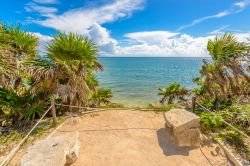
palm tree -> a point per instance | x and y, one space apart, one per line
76 55
225 76
92 82
70 61
226 69
101 96
172 92
15 46
227 52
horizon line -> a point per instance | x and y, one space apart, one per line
154 56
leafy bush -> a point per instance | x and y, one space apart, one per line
9 103
236 140
19 107
173 92
212 103
101 95
34 111
210 122
241 115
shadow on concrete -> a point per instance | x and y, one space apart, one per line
168 146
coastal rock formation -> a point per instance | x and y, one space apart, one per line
184 127
54 151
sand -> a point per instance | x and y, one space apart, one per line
134 138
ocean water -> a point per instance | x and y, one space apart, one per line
135 81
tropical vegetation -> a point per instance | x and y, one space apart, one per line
174 92
29 82
66 74
223 87
101 95
226 75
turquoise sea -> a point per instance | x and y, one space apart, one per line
135 81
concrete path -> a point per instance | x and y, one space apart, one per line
134 138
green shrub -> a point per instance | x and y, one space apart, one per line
212 102
14 106
11 137
210 122
236 140
101 96
34 111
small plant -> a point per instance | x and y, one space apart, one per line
101 96
210 122
34 111
173 92
12 136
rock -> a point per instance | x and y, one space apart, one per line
190 137
184 127
54 151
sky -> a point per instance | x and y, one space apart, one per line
151 28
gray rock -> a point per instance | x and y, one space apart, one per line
184 127
54 151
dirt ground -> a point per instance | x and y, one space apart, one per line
134 138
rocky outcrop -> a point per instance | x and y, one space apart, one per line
54 151
184 127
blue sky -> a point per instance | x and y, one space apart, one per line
134 27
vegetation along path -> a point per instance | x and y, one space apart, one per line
127 137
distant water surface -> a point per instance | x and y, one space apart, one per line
135 81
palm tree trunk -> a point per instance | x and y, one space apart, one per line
70 104
233 85
217 103
53 112
170 99
99 103
238 71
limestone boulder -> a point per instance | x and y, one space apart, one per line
190 137
54 151
184 127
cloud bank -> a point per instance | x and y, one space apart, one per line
88 21
81 19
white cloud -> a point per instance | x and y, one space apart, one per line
150 43
81 19
152 37
172 44
44 40
88 21
242 4
46 1
199 20
219 30
236 8
164 43
102 37
42 10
